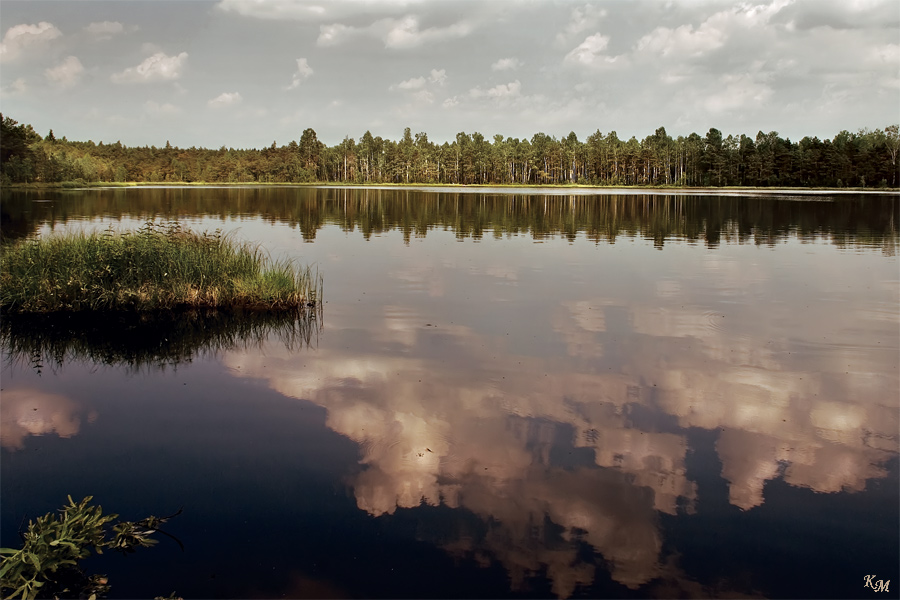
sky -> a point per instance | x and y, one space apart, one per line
247 73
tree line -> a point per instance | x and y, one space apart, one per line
866 159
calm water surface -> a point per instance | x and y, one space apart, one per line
506 394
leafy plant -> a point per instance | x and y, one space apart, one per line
47 563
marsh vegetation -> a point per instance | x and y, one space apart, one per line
159 267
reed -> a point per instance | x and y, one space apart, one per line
158 267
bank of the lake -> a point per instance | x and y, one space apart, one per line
672 189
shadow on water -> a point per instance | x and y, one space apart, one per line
159 340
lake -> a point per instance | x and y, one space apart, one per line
507 393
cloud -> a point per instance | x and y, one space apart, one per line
104 30
16 87
410 84
19 37
583 18
749 15
506 64
839 14
66 74
334 34
711 34
273 10
165 109
312 11
590 52
885 54
159 67
424 97
304 71
682 41
504 91
225 99
436 76
508 90
405 33
396 34
738 92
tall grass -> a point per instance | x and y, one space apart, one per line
156 268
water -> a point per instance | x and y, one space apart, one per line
508 394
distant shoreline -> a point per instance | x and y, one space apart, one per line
582 188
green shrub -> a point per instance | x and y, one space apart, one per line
47 564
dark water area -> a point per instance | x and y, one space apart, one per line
506 394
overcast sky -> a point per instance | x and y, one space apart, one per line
244 73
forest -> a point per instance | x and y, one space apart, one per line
865 159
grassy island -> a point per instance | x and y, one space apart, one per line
158 267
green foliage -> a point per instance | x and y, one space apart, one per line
47 564
157 267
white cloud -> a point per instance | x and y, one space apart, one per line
273 10
506 64
583 18
590 52
16 87
837 70
19 37
304 71
414 83
887 54
436 76
504 91
104 30
753 15
682 41
712 34
334 34
424 97
225 99
501 91
319 10
396 34
738 92
159 67
165 109
65 74
405 33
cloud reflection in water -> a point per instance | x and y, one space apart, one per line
582 437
